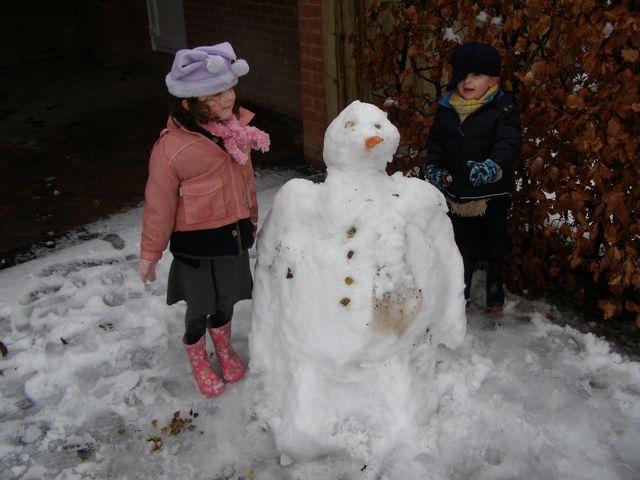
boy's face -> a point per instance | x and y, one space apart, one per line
475 85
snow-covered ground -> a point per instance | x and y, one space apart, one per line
96 385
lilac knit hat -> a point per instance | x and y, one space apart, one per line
205 71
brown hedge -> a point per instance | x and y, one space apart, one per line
575 69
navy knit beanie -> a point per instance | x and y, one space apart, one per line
473 57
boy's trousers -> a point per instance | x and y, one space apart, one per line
484 236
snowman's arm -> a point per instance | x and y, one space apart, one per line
424 193
450 282
436 226
452 312
290 206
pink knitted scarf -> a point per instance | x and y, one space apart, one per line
238 139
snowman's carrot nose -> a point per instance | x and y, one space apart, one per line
372 141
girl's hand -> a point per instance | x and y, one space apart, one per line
148 270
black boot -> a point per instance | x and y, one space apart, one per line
469 266
495 292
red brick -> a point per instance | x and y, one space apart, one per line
313 65
309 10
317 116
317 79
313 128
313 90
310 25
310 38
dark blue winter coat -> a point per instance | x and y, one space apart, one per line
493 131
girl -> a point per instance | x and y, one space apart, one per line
200 199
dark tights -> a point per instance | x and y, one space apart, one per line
196 325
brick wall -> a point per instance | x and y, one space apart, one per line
265 34
36 29
314 116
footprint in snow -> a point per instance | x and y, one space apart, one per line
64 269
115 240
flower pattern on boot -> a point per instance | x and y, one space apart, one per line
208 381
230 363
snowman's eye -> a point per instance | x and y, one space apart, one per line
377 125
350 124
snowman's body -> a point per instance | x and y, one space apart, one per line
351 298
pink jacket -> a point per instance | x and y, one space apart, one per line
193 185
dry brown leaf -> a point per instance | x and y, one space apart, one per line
614 127
608 308
575 102
630 55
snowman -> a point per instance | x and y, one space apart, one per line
358 280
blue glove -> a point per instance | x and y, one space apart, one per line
481 173
438 176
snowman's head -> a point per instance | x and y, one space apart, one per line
360 138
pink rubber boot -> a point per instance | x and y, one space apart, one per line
208 381
230 363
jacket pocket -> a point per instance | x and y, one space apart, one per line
203 199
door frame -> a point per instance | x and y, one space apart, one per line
342 22
158 43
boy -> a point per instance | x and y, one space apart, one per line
473 145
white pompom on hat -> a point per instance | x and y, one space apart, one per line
205 71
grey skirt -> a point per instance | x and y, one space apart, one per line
214 285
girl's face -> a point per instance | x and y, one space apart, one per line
219 106
475 85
